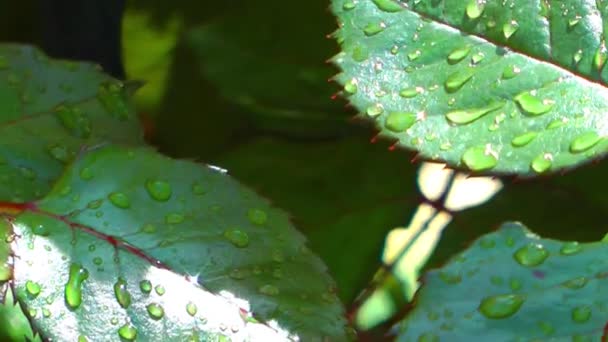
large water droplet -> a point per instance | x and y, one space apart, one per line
475 8
542 163
501 306
74 120
530 255
465 116
509 29
524 139
191 309
372 29
237 237
532 105
456 80
145 286
73 288
388 5
159 190
127 332
400 121
479 158
584 142
510 72
351 86
119 200
122 294
459 54
155 311
32 288
581 314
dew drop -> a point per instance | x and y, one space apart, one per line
578 55
97 261
155 311
127 332
531 255
584 142
159 289
475 8
86 173
599 59
257 216
375 110
237 237
456 80
198 189
351 86
159 190
479 158
390 6
74 120
119 200
399 121
542 163
450 278
73 288
510 72
32 288
465 116
113 99
581 314
576 283
524 139
121 293
372 29
60 152
411 92
174 218
458 54
145 286
348 5
509 29
532 105
191 309
501 306
570 248
412 56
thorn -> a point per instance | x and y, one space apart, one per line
334 96
393 147
374 139
415 158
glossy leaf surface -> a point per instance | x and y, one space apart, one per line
130 244
511 284
49 111
489 86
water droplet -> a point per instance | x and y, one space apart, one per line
532 105
458 54
121 293
237 237
479 158
86 173
269 290
114 100
127 332
375 110
82 338
191 309
450 278
174 218
257 216
388 5
119 200
348 5
372 29
584 142
74 120
33 288
456 80
578 55
509 29
501 306
399 121
412 56
524 139
576 283
155 311
599 59
145 286
515 284
97 261
510 72
477 58
570 248
542 163
73 288
428 337
465 116
198 189
159 289
351 86
411 92
581 314
530 255
475 8
60 152
159 190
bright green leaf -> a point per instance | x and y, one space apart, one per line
521 82
151 248
510 285
49 111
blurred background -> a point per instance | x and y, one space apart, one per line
243 85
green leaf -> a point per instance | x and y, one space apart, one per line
131 243
523 287
49 110
506 87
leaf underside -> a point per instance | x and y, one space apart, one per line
49 111
512 87
131 243
524 288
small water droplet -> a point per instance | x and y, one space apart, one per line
74 120
257 216
237 237
576 283
114 100
465 116
191 309
510 72
475 8
479 158
533 105
119 200
351 86
412 56
60 152
524 139
269 290
145 286
174 218
159 289
155 311
400 121
584 142
121 293
542 163
86 173
458 54
127 332
570 248
450 278
375 110
581 314
372 29
390 6
33 288
97 261
530 255
411 92
73 288
477 58
599 59
198 189
501 306
159 190
509 29
348 5
578 55
456 80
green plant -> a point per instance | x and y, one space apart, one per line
104 238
